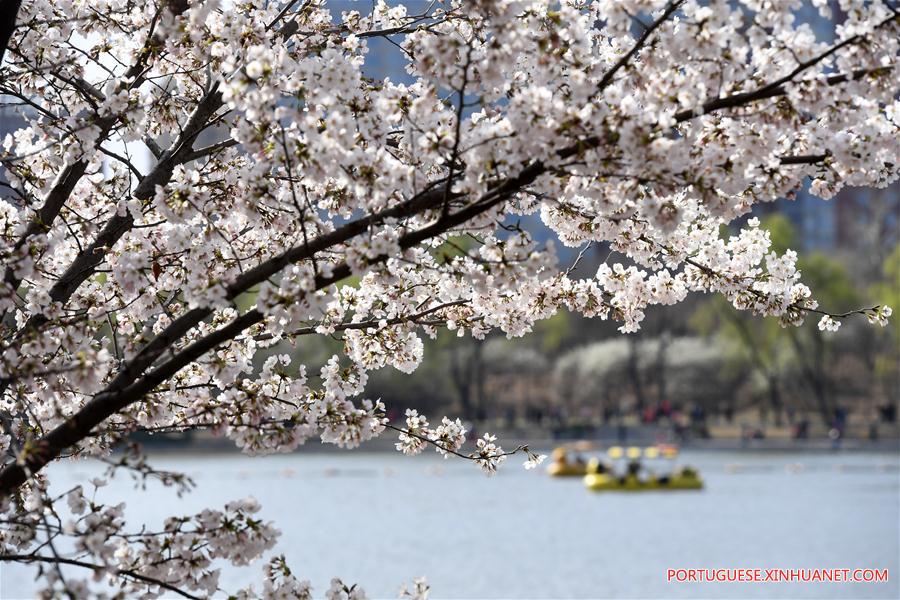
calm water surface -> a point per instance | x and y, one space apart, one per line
382 519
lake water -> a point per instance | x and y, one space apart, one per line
382 519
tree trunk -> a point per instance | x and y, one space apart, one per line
775 398
661 366
462 381
635 375
814 374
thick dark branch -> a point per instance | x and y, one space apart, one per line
428 199
9 9
110 401
43 218
86 262
807 159
30 558
180 152
65 182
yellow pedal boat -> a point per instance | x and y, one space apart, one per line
602 482
567 469
563 467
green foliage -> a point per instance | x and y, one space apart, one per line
455 246
247 300
803 361
781 232
829 281
552 333
887 292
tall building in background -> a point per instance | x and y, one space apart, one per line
10 121
855 219
814 220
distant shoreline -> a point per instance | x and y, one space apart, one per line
385 444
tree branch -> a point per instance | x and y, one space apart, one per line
776 88
9 10
28 558
626 58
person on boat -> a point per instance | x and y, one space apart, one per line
559 456
632 471
597 466
688 473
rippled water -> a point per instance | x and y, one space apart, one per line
382 519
